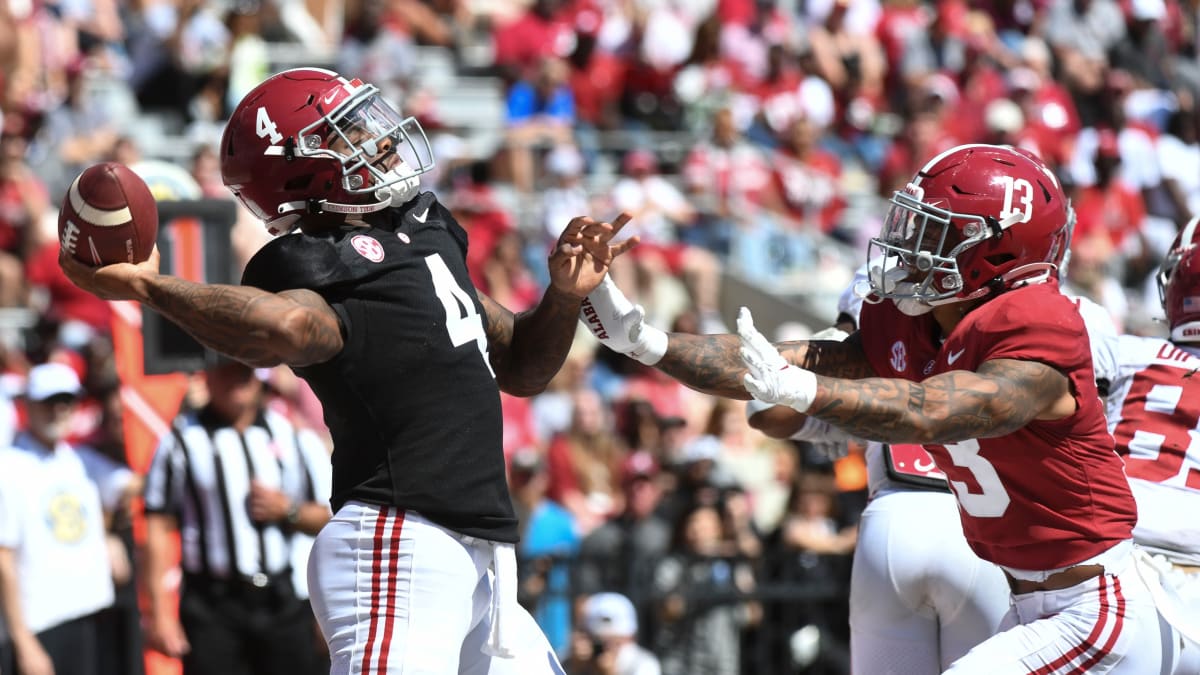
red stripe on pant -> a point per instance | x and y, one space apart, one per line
1089 642
390 620
376 578
1116 633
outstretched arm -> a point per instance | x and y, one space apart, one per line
251 325
1001 397
713 363
529 348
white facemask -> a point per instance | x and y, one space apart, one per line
912 307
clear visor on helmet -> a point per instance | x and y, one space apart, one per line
914 242
371 136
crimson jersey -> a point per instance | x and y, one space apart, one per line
1050 494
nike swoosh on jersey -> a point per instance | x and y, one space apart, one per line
953 356
421 218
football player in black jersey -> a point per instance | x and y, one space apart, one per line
365 294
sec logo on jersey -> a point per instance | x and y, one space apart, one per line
367 247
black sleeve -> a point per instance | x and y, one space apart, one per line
293 261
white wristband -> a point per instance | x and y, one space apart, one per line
650 345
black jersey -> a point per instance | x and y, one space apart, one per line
411 400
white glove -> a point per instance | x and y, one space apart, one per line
620 325
771 378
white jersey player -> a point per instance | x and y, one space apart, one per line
1153 409
919 597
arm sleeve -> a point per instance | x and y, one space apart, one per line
162 480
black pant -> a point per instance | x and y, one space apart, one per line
72 646
235 629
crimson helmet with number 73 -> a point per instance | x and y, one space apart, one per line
308 141
975 220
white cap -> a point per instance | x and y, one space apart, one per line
607 615
1148 10
51 379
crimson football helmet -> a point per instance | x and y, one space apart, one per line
308 141
1187 239
976 219
1181 299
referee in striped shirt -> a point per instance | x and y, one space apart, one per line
238 482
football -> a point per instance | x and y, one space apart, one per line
108 216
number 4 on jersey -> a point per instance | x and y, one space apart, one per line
463 323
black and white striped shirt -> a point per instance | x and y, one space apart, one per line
201 474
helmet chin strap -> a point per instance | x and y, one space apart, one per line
353 209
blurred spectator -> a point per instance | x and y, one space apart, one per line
1049 110
698 587
617 554
1178 152
607 645
1144 53
1108 208
597 78
523 44
541 111
784 94
1082 32
565 197
206 170
507 279
845 52
479 211
662 217
808 182
810 524
583 463
248 62
708 79
55 570
23 204
727 179
549 541
76 135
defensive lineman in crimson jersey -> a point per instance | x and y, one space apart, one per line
970 350
1047 495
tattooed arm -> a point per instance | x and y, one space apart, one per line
528 348
263 329
1001 397
251 325
713 364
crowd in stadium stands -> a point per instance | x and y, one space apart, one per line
798 119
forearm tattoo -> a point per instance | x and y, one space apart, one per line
713 363
528 349
247 323
1003 396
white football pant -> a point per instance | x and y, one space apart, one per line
1107 624
919 597
396 594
